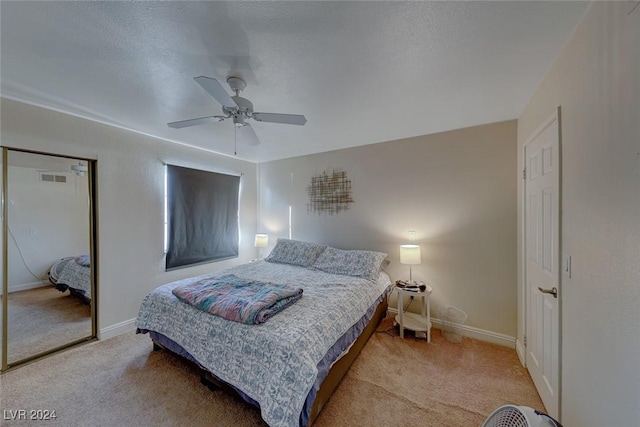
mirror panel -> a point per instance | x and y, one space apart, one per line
48 254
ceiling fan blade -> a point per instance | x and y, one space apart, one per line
193 122
215 89
247 134
288 119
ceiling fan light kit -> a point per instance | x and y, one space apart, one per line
238 120
237 108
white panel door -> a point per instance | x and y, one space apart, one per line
542 231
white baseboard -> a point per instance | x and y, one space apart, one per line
467 331
27 286
521 353
117 329
476 333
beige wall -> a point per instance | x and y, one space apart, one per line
596 81
455 189
130 180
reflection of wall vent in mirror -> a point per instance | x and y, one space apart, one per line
49 177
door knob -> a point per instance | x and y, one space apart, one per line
553 291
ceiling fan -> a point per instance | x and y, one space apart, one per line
80 169
237 108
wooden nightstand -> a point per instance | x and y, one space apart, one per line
412 321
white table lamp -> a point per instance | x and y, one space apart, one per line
410 255
262 241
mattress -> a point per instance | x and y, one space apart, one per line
275 364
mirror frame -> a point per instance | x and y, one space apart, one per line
93 253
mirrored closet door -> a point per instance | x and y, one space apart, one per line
49 289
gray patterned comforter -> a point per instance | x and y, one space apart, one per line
274 363
76 276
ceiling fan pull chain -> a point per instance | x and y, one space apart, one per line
235 141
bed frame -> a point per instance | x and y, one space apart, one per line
330 383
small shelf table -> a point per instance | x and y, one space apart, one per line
412 321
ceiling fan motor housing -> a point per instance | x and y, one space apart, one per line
244 105
244 110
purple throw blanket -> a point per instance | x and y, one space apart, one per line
241 300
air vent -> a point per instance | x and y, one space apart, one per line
49 177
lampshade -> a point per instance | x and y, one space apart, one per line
262 240
410 254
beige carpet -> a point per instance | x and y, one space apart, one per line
393 382
43 318
408 382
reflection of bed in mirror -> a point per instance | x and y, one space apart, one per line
73 274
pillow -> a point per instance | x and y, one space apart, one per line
83 260
365 264
295 252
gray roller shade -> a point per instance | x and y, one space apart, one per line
202 216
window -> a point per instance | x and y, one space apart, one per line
201 216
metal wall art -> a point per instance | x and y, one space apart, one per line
329 193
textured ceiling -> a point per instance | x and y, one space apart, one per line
361 72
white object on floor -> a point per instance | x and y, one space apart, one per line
519 416
452 319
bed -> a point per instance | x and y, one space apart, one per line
73 274
289 365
